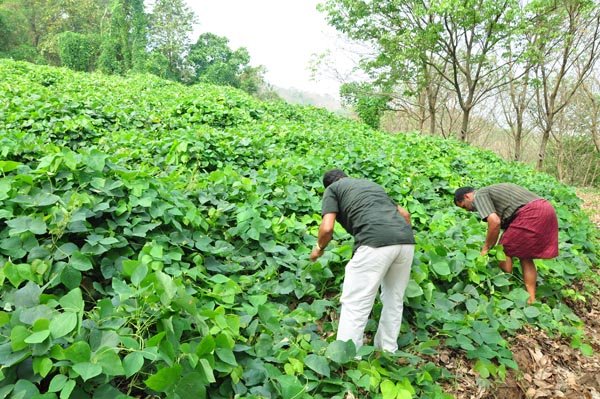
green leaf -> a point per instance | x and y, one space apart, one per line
70 277
441 268
139 274
168 285
79 352
96 160
317 363
57 383
587 350
226 355
341 352
531 312
24 389
110 362
38 337
133 363
87 370
63 324
290 386
206 346
482 369
388 389
80 262
42 366
22 224
72 301
7 166
207 370
65 393
164 378
413 289
190 386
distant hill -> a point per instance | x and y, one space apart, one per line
295 96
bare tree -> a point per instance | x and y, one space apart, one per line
591 99
568 50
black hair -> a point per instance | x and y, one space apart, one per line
332 176
459 195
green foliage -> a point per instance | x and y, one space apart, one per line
123 48
170 25
368 104
155 238
77 51
214 62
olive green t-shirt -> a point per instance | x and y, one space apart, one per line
365 210
503 199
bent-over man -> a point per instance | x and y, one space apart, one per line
383 254
529 223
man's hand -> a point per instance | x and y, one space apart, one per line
315 254
404 214
493 231
325 235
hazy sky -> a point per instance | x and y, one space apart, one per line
279 34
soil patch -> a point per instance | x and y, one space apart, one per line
548 367
591 203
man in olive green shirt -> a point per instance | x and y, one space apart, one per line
529 223
383 253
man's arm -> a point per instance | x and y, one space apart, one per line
404 214
493 231
325 235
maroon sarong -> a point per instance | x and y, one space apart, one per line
533 233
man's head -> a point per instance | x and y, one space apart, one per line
463 197
332 176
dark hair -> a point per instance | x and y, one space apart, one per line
332 176
459 195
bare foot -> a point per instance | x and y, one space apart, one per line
530 301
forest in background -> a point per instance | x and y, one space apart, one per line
519 78
125 36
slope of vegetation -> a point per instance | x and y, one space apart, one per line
155 240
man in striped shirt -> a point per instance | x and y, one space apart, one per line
529 223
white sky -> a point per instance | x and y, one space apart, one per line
282 35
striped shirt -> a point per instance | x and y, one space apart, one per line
503 199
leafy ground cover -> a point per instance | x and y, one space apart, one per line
155 239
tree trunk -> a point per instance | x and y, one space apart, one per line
464 129
559 164
432 115
542 151
432 121
519 136
518 144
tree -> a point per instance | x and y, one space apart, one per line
567 51
213 61
591 100
124 46
368 105
36 23
457 40
171 23
77 51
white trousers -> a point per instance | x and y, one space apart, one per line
370 268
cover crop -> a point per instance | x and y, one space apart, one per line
154 240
